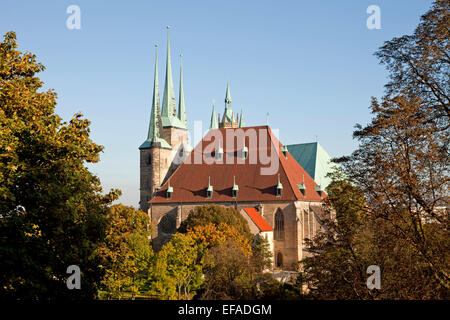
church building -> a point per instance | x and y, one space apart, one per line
234 165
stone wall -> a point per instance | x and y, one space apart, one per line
154 165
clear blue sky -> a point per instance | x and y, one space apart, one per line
310 64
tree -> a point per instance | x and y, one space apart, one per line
261 255
419 63
215 214
401 170
336 270
178 266
210 235
52 210
126 252
227 272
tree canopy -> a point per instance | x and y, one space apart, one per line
215 214
52 210
392 208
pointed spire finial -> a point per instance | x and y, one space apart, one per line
228 95
169 111
155 126
228 113
181 105
214 124
155 118
241 119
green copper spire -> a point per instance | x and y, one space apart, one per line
155 118
228 114
214 124
169 110
155 127
228 95
241 120
181 106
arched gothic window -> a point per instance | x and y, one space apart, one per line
279 225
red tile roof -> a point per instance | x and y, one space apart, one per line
260 222
190 180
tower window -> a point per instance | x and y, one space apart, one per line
149 159
279 225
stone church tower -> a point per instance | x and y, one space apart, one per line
167 140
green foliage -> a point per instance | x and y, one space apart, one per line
178 269
227 272
215 214
210 235
393 210
126 253
53 212
261 255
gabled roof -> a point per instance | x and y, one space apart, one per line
190 179
314 159
259 221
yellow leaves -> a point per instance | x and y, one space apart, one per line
35 232
211 235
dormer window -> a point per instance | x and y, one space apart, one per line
319 190
284 150
169 192
210 189
235 189
301 186
244 151
279 187
219 154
